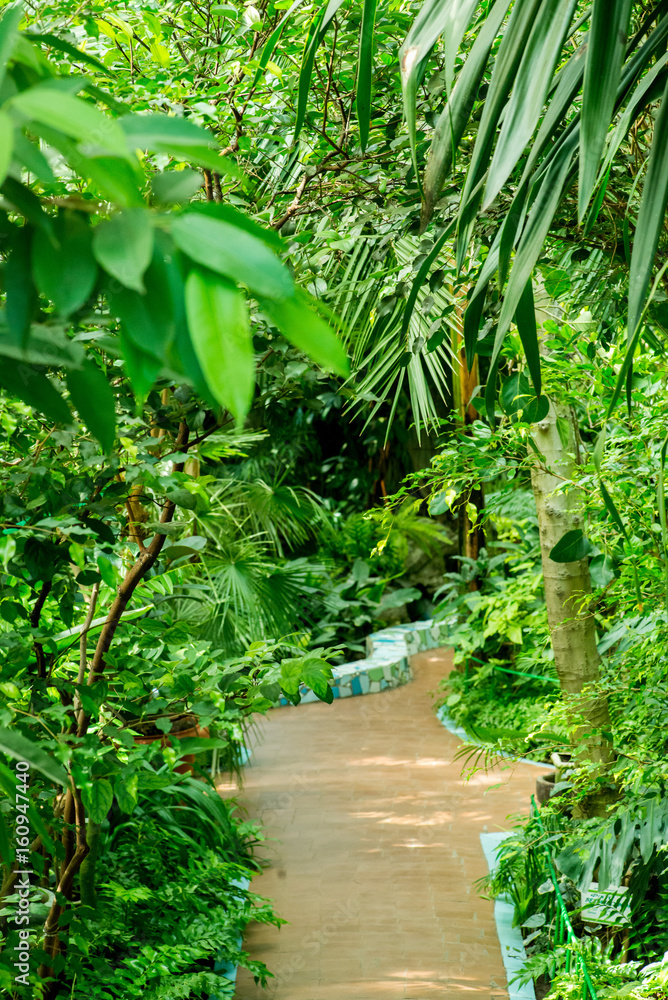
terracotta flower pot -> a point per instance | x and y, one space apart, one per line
191 729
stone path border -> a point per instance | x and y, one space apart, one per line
510 938
386 664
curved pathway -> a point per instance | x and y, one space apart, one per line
373 848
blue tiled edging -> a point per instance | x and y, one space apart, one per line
386 663
226 970
510 938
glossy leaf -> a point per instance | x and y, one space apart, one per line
365 70
19 747
234 252
72 116
530 89
123 246
307 331
173 187
220 333
650 217
93 398
65 273
98 798
572 547
605 55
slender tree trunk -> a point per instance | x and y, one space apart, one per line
567 585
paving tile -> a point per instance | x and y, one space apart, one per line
374 846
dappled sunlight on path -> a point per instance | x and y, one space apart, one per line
374 848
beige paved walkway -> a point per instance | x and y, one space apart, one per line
376 848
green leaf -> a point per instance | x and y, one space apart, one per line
66 273
183 498
19 747
536 410
533 238
516 393
612 509
650 217
509 55
172 187
602 571
125 790
158 132
9 26
21 301
224 247
605 55
123 246
455 116
142 368
54 42
72 116
34 388
273 40
316 34
365 71
6 144
307 331
525 318
148 320
447 17
220 333
92 396
530 89
572 547
98 798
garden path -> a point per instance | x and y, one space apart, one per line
374 846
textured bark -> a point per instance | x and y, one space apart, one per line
567 585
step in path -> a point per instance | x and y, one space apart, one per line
373 849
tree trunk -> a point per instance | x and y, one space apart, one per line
567 585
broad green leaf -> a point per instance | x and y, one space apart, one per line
6 144
123 246
365 70
455 116
21 294
9 26
28 154
125 790
307 331
602 571
173 187
112 178
92 396
612 509
27 204
530 89
197 744
142 368
149 319
516 393
34 388
525 318
72 116
650 217
65 273
157 132
316 674
605 54
233 217
232 251
98 798
220 333
19 747
572 547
